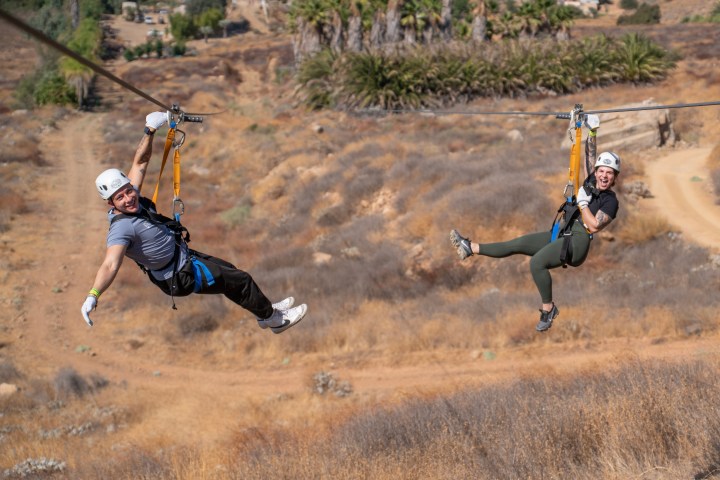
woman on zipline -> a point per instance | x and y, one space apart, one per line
597 206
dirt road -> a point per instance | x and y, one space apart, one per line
682 191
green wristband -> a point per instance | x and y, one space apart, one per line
94 293
592 133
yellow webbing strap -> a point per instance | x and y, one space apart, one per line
168 144
176 173
574 170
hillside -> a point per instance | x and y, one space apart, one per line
350 214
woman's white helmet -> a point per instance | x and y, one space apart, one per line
110 181
608 159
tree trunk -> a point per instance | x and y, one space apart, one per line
336 40
479 29
377 31
446 20
297 40
392 29
310 41
428 34
479 23
410 35
355 33
75 13
263 4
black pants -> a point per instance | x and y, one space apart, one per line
235 284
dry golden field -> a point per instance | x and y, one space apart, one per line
409 364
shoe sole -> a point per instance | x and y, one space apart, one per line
289 322
291 302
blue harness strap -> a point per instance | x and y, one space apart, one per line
200 270
555 231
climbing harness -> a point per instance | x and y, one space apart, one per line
569 212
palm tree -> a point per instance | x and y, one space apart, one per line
377 30
225 23
412 19
355 29
479 22
560 19
75 13
310 19
392 29
446 20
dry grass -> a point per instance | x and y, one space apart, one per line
605 422
640 228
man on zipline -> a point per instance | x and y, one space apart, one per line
158 245
597 205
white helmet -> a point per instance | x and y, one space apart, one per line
608 159
110 181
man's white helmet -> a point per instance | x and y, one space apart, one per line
608 159
110 181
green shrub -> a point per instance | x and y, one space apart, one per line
129 54
628 4
236 215
178 49
182 27
644 15
314 79
638 59
52 89
422 77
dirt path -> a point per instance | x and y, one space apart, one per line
682 191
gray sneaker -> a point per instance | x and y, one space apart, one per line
281 305
546 319
461 244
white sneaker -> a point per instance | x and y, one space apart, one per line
281 320
281 305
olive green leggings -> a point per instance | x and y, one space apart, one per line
545 255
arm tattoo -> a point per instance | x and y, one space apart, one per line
603 219
590 154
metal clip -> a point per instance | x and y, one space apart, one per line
178 142
178 208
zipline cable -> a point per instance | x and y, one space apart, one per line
37 34
79 58
562 115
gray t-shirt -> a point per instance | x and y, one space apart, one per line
152 246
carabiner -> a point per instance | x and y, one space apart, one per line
178 208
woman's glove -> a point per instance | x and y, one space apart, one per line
583 198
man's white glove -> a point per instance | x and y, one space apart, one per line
583 198
89 305
592 122
156 120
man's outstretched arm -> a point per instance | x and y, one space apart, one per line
103 279
144 149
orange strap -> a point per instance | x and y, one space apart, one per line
574 170
176 173
168 144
